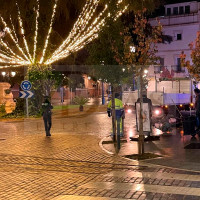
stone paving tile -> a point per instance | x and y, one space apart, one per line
39 168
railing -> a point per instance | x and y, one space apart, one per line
177 19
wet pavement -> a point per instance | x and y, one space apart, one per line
71 164
171 146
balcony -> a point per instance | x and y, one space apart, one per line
176 19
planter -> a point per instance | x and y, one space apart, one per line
81 108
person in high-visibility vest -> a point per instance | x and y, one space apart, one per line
118 107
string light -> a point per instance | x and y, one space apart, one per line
49 32
79 24
36 30
92 29
7 29
22 31
84 31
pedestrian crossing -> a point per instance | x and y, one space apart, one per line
145 185
144 188
158 175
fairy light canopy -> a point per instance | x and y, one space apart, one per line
18 48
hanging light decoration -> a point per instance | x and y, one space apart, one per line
84 31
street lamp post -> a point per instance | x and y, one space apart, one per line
103 97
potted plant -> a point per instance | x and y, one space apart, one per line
81 101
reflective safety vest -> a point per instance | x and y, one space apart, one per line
118 106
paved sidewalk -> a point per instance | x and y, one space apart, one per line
171 146
70 165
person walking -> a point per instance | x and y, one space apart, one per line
118 108
46 113
197 107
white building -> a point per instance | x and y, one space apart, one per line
182 22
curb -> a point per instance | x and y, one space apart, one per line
101 145
143 162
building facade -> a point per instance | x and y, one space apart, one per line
181 21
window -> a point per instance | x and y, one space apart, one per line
175 10
178 65
179 36
162 61
181 10
168 11
187 9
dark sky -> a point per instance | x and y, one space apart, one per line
177 1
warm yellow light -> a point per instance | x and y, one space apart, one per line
3 73
84 31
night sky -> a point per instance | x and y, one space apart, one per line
178 1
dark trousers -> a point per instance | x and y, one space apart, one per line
47 123
198 121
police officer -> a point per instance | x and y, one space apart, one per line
118 107
46 113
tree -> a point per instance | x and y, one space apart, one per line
110 48
194 67
43 79
104 65
144 38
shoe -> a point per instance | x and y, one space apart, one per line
48 134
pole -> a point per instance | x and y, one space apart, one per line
27 113
191 91
141 134
62 94
118 132
133 82
71 95
156 89
138 85
113 115
103 98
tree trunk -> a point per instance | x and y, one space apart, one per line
141 134
113 114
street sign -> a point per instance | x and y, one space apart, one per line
26 85
25 94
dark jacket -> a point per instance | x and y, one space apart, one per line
197 104
46 108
